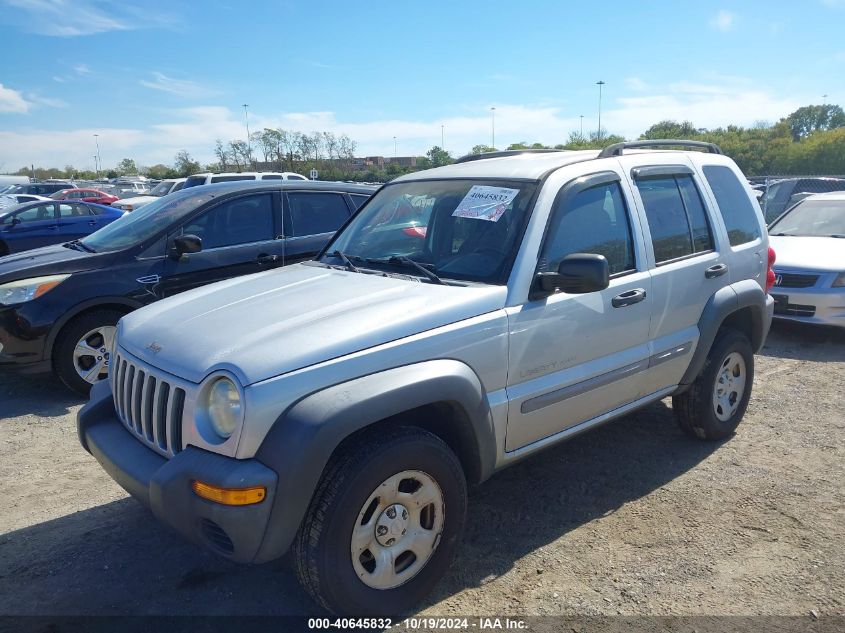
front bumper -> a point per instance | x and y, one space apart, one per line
824 306
22 344
164 485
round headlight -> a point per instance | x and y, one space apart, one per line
224 407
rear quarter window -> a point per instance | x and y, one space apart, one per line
734 204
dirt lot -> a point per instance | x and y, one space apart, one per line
633 518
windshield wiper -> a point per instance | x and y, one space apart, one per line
401 259
839 235
349 265
77 245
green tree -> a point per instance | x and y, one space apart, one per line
160 172
184 165
127 167
482 149
814 118
438 156
670 129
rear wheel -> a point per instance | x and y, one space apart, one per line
82 353
383 524
713 406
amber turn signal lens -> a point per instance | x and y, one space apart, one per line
43 288
229 496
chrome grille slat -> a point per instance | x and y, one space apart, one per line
150 404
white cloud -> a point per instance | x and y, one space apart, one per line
13 101
718 101
723 21
71 18
179 87
60 79
82 69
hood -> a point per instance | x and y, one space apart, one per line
49 260
137 200
271 323
809 253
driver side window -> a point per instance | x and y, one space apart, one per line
35 214
240 221
595 220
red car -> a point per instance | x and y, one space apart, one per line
85 195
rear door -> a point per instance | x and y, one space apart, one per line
686 258
239 236
36 227
76 220
311 219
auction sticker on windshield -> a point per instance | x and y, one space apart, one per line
483 202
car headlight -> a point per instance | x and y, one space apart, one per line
28 289
839 282
223 407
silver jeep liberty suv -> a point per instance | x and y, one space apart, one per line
464 318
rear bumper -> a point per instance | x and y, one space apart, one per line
164 485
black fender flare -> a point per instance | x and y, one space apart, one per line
724 302
303 439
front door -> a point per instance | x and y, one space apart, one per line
31 228
239 236
573 357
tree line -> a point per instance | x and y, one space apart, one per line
809 141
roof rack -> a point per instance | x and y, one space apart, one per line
508 152
616 148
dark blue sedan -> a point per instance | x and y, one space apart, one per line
41 223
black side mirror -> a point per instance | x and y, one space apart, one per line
16 221
185 244
577 273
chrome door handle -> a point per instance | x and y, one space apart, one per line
717 270
628 298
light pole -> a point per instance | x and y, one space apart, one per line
248 142
394 147
824 99
493 125
95 166
582 125
599 84
442 142
98 163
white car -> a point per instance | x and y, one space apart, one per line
160 190
209 178
10 199
809 240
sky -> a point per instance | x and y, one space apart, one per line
153 78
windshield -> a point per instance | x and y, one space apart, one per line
817 218
161 189
135 227
16 189
459 229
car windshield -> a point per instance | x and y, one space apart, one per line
16 189
161 189
142 224
817 218
459 229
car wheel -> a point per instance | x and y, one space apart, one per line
713 406
383 524
82 352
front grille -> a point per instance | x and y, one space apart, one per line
795 280
148 404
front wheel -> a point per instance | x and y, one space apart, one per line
383 524
82 352
713 406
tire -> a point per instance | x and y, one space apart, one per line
710 409
349 501
65 359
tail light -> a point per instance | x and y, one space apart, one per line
770 274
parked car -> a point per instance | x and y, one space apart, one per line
810 271
59 305
8 200
130 189
342 406
36 224
162 189
85 195
782 194
6 181
209 178
39 188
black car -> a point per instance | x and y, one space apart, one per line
59 305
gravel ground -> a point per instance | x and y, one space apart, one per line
633 518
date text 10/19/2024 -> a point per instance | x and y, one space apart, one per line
422 623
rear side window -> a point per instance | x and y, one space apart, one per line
594 221
231 178
271 177
676 217
734 203
315 213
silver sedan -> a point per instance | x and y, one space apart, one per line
809 241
